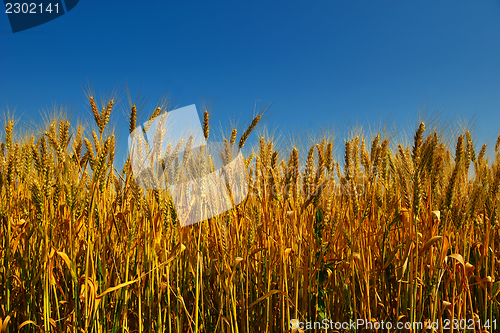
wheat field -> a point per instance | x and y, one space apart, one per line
392 232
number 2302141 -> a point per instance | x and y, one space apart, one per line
30 8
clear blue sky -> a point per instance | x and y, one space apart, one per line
320 62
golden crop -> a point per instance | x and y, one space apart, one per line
392 232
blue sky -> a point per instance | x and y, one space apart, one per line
321 63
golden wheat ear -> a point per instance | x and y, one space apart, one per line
206 126
249 130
